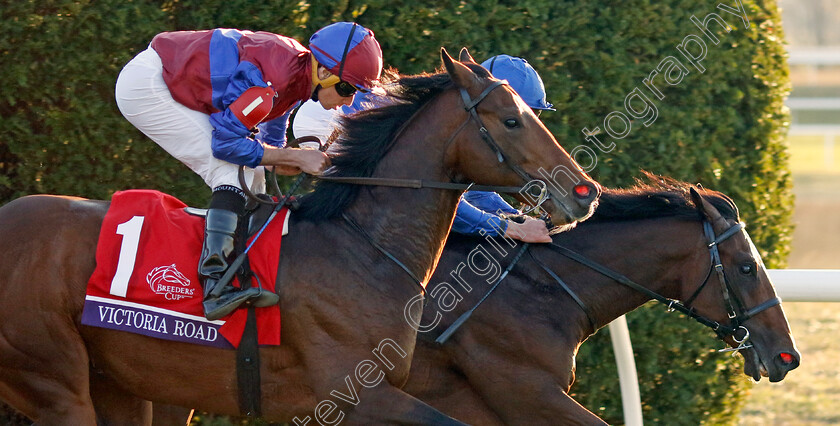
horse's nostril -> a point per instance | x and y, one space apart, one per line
786 358
583 191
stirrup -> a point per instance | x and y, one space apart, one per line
219 307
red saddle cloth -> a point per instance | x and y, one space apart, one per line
146 277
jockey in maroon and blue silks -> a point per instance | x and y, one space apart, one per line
220 99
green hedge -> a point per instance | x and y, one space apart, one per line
62 133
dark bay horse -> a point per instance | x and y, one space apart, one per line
513 360
342 300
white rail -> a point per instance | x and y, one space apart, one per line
792 285
825 56
817 104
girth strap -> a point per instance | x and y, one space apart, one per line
248 368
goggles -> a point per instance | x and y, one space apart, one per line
345 89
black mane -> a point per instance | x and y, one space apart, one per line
364 137
657 196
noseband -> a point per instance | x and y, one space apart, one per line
734 306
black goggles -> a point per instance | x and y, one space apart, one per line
345 89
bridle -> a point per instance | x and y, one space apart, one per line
736 312
470 105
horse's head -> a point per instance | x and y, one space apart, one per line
502 142
741 297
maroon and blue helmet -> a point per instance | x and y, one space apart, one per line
350 52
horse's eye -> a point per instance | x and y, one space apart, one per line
511 123
747 269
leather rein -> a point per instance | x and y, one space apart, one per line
736 312
470 105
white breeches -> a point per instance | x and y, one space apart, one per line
145 101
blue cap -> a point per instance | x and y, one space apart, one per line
523 78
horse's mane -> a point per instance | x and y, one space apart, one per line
658 196
363 139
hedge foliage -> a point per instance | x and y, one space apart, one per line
62 133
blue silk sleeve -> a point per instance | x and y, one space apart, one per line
489 202
273 132
470 220
231 140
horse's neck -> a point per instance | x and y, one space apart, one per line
418 221
656 254
648 252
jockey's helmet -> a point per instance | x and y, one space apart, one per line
522 78
350 52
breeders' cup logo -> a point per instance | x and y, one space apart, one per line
173 285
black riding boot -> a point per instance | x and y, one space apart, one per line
216 255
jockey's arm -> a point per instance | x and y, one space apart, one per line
470 219
489 202
234 142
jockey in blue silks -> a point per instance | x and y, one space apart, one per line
479 212
220 99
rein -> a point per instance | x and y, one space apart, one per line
355 226
470 106
736 313
466 315
416 183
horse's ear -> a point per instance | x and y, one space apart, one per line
465 56
460 74
706 208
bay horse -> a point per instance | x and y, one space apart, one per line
513 360
342 299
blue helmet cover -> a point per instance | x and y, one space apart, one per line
523 78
